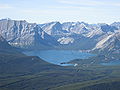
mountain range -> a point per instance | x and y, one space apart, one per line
56 35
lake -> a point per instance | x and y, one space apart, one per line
59 56
112 63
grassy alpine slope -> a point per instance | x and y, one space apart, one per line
62 78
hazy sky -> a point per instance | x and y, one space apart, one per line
40 11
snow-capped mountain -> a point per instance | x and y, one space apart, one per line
24 34
109 43
70 35
76 27
53 28
116 24
78 34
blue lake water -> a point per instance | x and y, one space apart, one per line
59 56
112 63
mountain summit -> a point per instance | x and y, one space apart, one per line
25 35
56 35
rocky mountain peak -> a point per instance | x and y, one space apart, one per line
24 34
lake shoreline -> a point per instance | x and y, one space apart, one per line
59 56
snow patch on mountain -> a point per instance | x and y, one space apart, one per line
102 42
66 40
